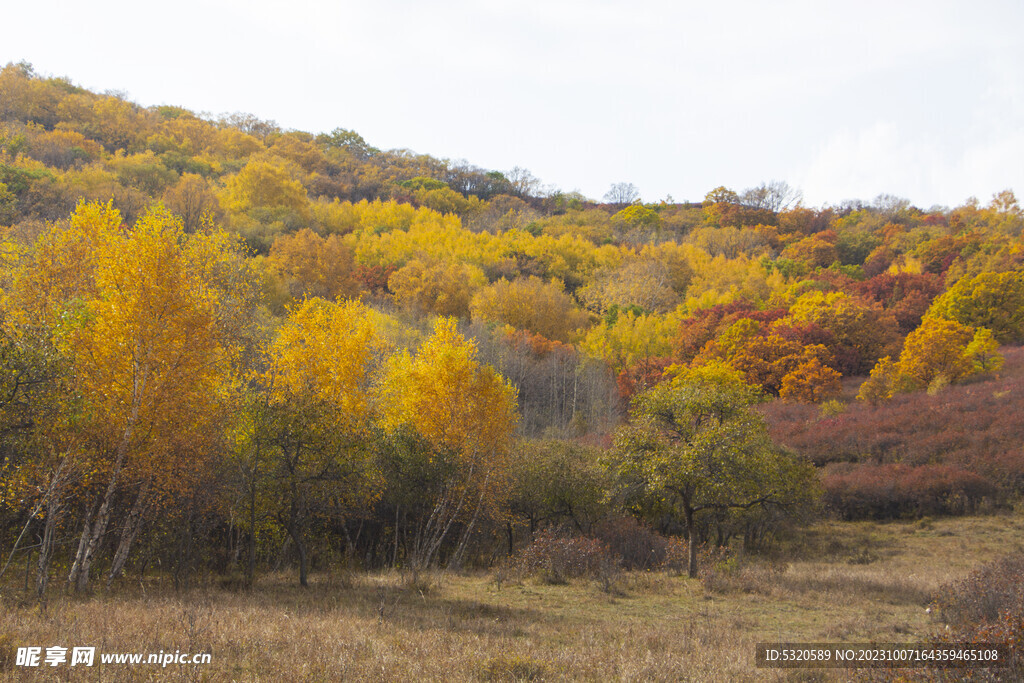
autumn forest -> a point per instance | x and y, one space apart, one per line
229 349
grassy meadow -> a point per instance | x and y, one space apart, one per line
834 582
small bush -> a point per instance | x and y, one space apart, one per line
985 595
557 557
988 607
677 555
635 544
831 408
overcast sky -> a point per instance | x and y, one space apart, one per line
844 100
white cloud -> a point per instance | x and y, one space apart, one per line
915 98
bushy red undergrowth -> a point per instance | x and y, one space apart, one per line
867 490
619 542
988 607
558 556
635 544
954 445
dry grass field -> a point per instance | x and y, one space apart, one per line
849 582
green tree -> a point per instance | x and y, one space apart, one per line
697 445
553 481
991 300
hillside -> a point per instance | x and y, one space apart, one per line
229 347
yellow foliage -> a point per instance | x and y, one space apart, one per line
631 338
148 340
719 280
531 304
322 355
444 288
449 398
63 265
906 264
265 183
310 265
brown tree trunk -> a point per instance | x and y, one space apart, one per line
296 536
691 534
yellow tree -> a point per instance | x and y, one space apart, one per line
863 331
810 382
948 350
312 429
994 301
531 304
466 412
939 350
138 314
265 183
147 351
444 288
882 384
311 265
191 198
624 339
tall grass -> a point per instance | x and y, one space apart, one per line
834 582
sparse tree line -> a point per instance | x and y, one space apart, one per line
149 398
231 347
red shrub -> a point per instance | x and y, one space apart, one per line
635 544
641 376
867 490
558 557
988 607
374 278
977 426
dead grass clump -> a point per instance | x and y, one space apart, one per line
420 582
7 647
513 668
733 576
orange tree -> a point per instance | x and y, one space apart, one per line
141 316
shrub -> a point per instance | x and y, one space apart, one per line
977 427
988 607
893 491
635 544
557 557
677 555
